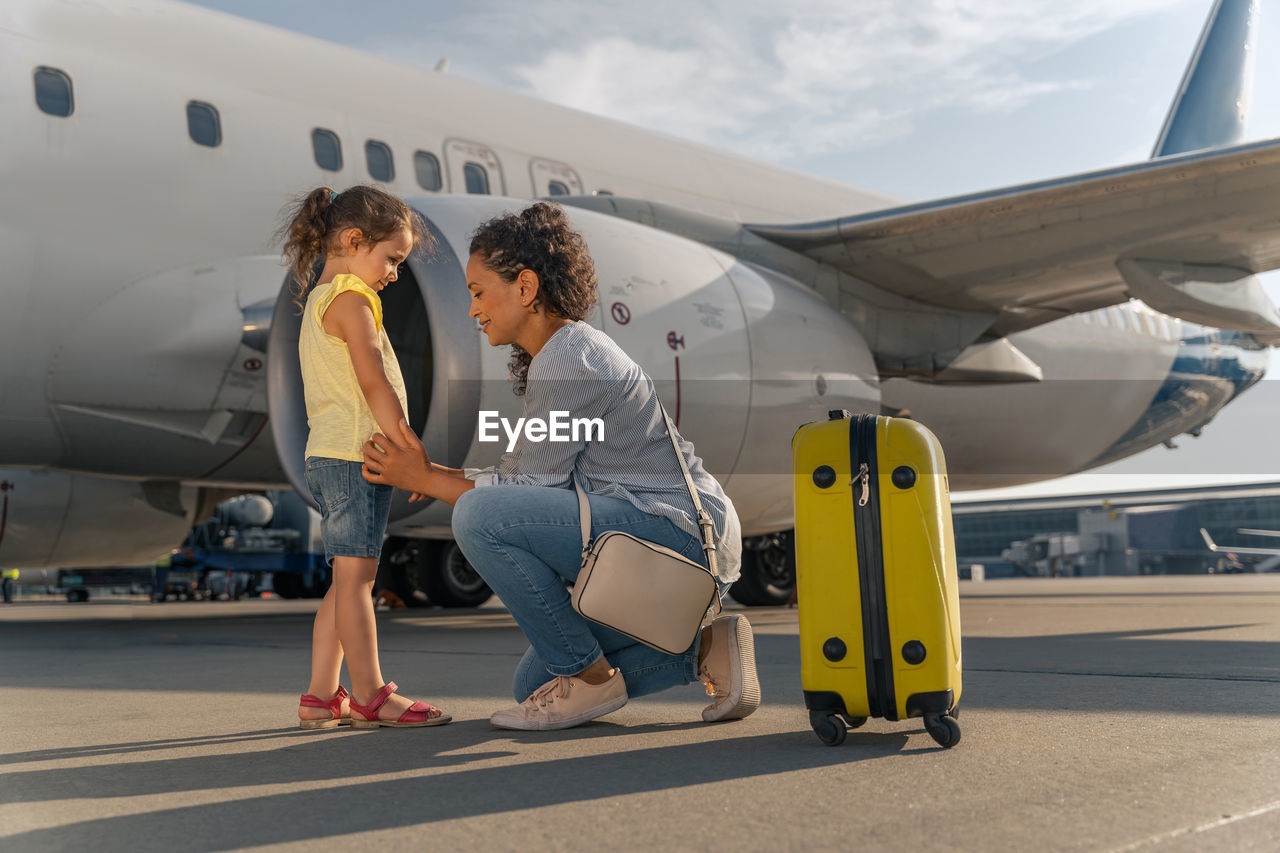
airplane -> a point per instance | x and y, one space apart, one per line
148 360
1232 550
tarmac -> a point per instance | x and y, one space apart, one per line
1113 714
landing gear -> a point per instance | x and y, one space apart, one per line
450 581
422 572
768 570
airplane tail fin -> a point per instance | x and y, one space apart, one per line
1211 106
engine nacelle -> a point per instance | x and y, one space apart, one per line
742 356
164 380
50 519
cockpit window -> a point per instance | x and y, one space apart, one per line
53 92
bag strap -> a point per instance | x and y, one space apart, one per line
704 519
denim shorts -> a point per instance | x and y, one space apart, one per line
353 511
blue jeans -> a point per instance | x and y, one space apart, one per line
353 511
525 542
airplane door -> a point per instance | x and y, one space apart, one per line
473 168
551 179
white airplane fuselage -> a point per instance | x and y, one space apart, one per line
138 262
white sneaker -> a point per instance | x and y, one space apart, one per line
564 702
729 670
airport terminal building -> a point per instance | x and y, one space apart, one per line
1140 532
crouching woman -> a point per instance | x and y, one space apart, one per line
532 284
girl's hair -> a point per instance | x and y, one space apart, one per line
539 238
314 220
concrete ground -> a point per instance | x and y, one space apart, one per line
1098 714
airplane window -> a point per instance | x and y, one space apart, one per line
477 179
557 188
427 168
327 148
377 157
203 124
53 92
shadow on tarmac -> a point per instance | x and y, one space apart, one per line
365 805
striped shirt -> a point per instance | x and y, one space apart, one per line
580 370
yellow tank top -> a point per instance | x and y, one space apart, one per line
337 414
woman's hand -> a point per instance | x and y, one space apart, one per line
404 465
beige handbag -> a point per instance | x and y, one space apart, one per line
643 589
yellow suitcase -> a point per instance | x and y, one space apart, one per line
876 575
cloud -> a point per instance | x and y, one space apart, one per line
782 81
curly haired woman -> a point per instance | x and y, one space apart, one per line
532 284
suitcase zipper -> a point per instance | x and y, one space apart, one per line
866 517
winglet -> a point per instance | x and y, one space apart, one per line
1211 106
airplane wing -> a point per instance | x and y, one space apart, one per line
1182 233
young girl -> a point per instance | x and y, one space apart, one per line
353 390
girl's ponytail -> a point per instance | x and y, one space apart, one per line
313 221
306 226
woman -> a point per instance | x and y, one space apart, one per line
532 284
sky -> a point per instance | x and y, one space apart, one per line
919 101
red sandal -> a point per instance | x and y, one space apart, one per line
335 708
419 713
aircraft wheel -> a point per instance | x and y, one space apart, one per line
768 573
450 580
77 595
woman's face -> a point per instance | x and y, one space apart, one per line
500 307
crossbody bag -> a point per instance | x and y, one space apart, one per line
642 589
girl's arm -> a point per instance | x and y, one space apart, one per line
350 318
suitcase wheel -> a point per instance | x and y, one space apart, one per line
854 722
945 730
828 726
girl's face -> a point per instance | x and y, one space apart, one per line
378 264
501 307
